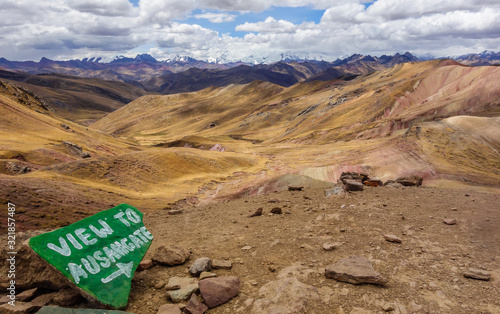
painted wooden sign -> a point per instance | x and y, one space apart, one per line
99 253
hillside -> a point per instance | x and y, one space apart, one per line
75 98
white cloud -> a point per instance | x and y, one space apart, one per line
216 17
68 28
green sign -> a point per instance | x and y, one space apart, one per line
99 253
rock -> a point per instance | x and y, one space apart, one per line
411 180
188 286
295 188
338 190
6 299
356 176
76 149
219 290
355 270
67 297
392 238
246 248
171 287
373 182
207 274
32 271
169 308
27 295
17 167
160 285
175 211
351 185
43 299
171 255
274 200
479 274
145 264
19 308
200 265
330 246
221 264
387 307
258 212
450 221
61 310
276 210
195 306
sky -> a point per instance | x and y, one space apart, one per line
233 30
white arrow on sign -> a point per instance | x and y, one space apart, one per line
125 269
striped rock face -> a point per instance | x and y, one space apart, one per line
100 253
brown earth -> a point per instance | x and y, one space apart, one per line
425 269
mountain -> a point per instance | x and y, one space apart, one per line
478 59
76 98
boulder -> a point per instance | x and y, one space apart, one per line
200 265
352 185
411 180
219 290
356 176
355 270
373 182
171 255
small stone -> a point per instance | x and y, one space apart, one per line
246 248
145 264
169 308
373 182
253 282
221 264
355 270
171 287
207 274
392 238
295 188
175 211
258 212
188 286
276 210
479 274
330 246
219 290
200 265
387 307
171 255
160 284
274 200
450 221
194 306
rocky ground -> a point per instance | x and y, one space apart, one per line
280 259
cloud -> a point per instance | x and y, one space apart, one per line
69 28
216 17
270 25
